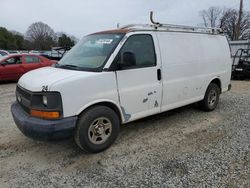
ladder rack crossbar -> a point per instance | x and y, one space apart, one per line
170 27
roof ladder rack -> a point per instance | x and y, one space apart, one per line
170 27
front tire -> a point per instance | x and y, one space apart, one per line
97 129
211 99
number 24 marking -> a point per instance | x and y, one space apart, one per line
44 88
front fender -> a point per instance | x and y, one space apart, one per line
101 101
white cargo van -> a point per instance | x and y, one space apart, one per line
118 76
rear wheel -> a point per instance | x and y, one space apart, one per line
97 129
211 99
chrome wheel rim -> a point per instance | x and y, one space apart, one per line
100 130
212 98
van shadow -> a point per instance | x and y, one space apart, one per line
129 131
155 119
69 155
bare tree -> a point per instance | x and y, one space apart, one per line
235 23
235 28
41 35
211 17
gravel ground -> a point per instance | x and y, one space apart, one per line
181 148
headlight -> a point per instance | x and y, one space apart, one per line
45 100
46 105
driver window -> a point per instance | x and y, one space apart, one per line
13 61
139 51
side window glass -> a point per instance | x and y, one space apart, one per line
32 59
13 61
138 51
3 53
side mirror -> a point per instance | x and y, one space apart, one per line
127 59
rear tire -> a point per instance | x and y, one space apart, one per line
97 129
211 99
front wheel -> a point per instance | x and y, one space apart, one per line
97 129
211 99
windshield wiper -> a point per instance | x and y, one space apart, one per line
67 66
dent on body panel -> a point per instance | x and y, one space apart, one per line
150 93
150 97
145 100
156 104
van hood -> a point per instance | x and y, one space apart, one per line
48 76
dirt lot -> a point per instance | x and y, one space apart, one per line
181 148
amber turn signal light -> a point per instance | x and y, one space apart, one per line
44 114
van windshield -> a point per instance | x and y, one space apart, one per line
90 53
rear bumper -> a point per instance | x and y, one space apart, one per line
41 129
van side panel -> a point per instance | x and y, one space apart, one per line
190 61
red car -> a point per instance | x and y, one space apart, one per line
12 67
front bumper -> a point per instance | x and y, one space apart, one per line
41 129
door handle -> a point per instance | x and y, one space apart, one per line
159 74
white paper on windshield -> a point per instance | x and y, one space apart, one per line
104 41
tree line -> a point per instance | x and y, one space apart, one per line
39 36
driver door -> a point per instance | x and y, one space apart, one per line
138 77
12 68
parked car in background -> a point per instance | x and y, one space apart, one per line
56 53
24 52
13 52
34 52
12 67
3 53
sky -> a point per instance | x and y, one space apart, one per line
81 17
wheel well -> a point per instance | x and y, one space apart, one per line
107 104
217 82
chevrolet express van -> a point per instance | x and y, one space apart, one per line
114 77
